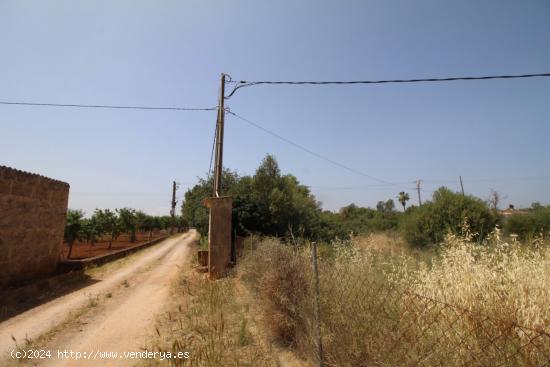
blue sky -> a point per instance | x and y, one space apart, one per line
171 53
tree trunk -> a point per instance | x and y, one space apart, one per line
70 250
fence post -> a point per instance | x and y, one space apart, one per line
316 305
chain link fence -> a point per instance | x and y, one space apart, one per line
366 318
365 321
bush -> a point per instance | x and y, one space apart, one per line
531 224
447 212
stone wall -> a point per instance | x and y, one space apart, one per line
33 209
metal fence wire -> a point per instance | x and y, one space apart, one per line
364 321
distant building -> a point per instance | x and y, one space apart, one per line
511 210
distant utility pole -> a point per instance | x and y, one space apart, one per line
218 166
418 182
173 209
461 185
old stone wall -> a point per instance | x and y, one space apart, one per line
33 209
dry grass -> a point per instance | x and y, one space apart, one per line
208 321
469 305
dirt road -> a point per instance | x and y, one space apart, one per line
114 315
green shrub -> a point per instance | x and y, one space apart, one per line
530 224
447 212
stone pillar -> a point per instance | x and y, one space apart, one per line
219 234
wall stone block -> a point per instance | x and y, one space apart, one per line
32 220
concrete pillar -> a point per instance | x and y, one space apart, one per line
219 234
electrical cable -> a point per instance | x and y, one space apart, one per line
172 108
315 154
213 146
244 83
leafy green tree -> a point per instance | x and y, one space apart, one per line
447 212
91 229
267 203
109 223
165 222
366 220
403 197
141 220
73 228
127 222
181 224
387 206
149 224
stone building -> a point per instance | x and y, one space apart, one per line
33 209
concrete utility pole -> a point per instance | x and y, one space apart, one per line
418 182
173 209
218 166
461 185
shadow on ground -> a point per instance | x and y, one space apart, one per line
16 300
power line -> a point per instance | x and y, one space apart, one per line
320 156
213 146
171 108
358 188
501 179
244 83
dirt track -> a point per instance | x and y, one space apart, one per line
117 313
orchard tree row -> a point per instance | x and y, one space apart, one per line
105 222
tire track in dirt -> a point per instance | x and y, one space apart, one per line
122 326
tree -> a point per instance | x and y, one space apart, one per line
403 197
109 223
141 221
267 203
447 212
127 222
149 224
387 206
91 229
494 199
73 228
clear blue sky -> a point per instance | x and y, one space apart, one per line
170 53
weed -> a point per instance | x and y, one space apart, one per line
243 333
395 306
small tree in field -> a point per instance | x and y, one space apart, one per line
141 221
73 228
91 229
127 222
109 223
149 224
403 197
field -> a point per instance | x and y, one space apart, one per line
463 305
82 250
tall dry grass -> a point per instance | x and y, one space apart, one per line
207 320
470 304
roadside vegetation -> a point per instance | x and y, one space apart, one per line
270 203
212 323
449 282
487 304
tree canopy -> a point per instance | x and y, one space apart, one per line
267 202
